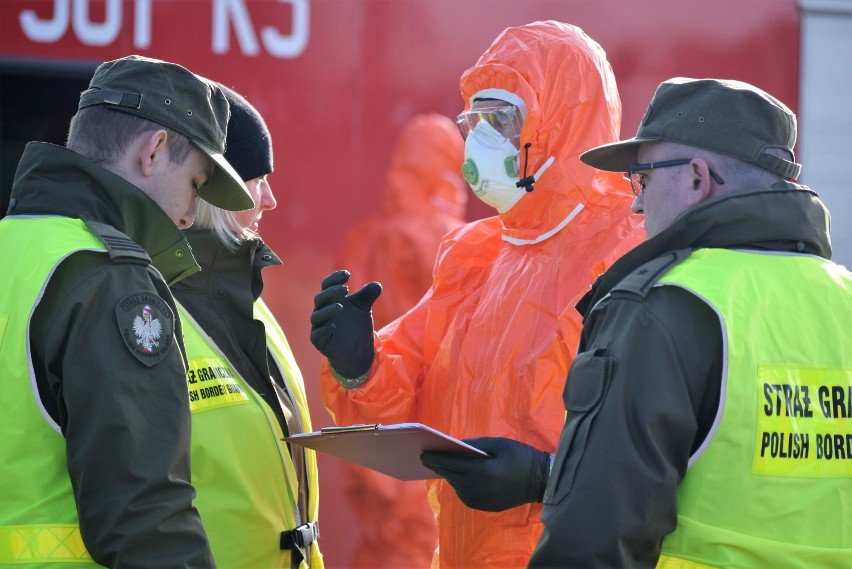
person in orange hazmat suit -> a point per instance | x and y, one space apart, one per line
424 198
486 351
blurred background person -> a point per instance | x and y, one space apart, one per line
424 198
257 495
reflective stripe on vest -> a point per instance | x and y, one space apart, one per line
57 543
770 485
242 471
38 521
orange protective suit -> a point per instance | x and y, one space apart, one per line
425 197
486 351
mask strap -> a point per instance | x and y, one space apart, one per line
526 157
527 181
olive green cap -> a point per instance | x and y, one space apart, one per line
174 97
724 116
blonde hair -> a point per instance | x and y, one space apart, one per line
224 225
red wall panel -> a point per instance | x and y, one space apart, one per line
356 71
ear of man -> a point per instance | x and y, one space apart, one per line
701 181
153 151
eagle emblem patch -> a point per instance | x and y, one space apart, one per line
148 330
147 326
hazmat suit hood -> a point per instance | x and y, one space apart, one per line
567 112
424 174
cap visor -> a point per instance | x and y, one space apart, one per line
616 156
225 189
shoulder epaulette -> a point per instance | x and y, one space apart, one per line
642 279
119 246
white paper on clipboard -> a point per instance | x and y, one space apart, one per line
390 449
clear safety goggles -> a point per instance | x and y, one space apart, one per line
505 119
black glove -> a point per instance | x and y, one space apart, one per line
342 324
514 473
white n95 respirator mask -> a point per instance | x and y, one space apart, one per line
491 167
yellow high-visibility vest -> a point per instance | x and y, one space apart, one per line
772 484
246 484
39 526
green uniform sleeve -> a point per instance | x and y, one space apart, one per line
638 397
117 390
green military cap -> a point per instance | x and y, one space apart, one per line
724 116
174 97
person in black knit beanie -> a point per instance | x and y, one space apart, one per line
248 147
241 468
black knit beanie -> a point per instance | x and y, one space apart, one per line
248 146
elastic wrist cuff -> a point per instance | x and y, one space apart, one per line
548 463
347 383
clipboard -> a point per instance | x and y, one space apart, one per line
390 449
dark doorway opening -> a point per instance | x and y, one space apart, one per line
37 101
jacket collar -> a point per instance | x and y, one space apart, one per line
782 217
57 181
244 264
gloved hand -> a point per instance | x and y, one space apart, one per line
514 473
342 324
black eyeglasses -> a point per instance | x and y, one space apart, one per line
637 177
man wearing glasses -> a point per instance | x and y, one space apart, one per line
708 406
486 351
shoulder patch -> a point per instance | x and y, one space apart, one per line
642 279
119 246
147 325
